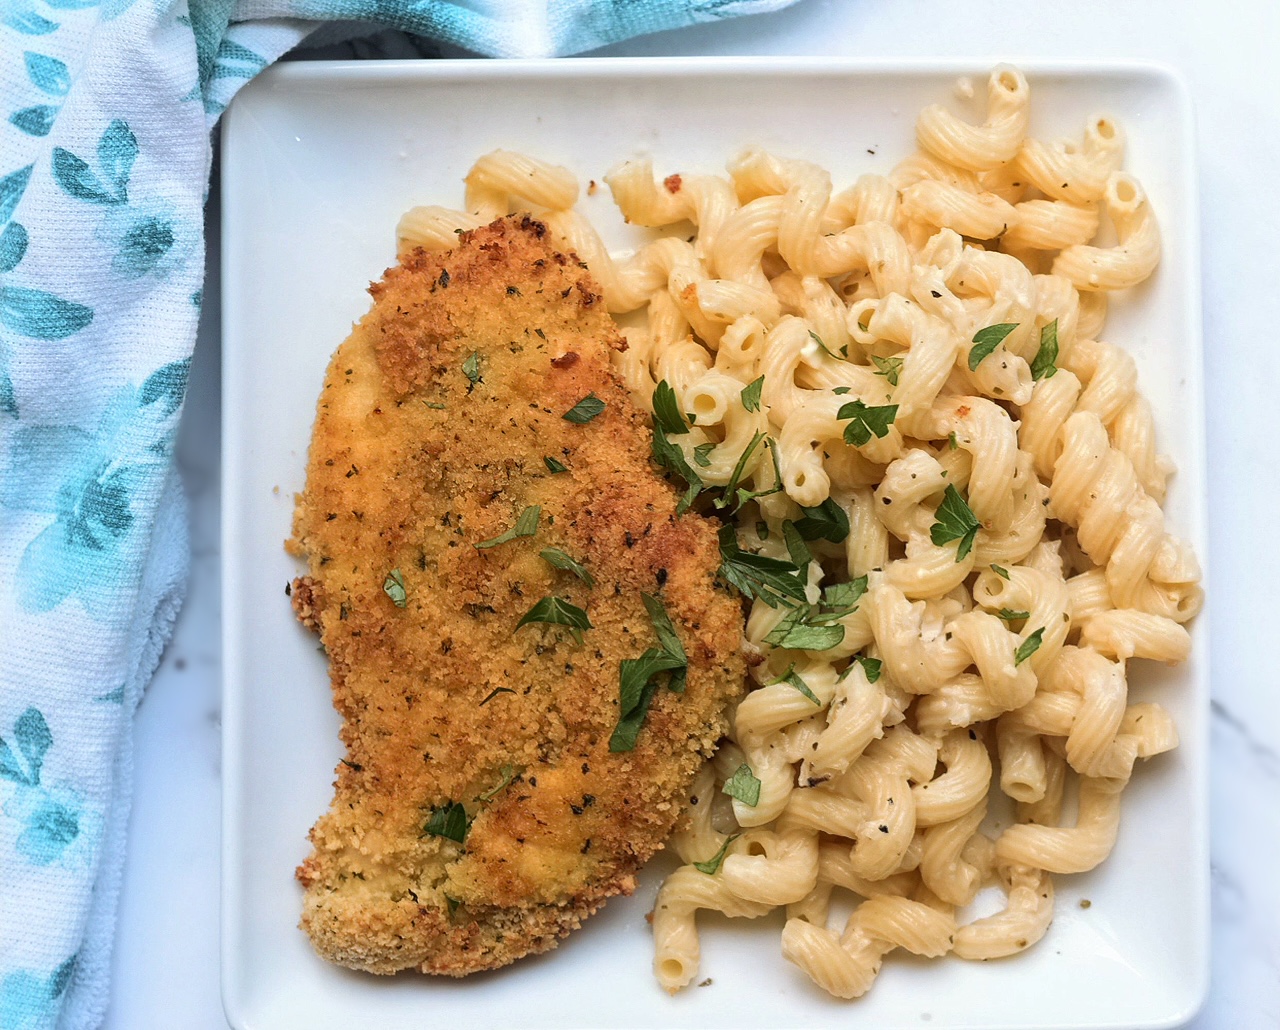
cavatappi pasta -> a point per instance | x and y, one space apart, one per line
898 392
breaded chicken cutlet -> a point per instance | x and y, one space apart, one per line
479 814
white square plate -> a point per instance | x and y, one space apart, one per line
320 161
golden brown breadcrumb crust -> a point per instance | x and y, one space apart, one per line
412 464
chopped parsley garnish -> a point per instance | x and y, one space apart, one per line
666 412
738 496
890 368
450 822
435 405
828 521
772 580
840 391
554 466
817 627
508 773
794 633
453 903
866 422
1043 364
471 369
952 442
842 595
1028 647
762 530
526 525
751 394
712 865
956 521
637 683
743 786
986 340
1000 571
556 611
871 666
797 549
1009 615
393 585
585 410
818 340
667 636
638 677
494 693
731 488
671 457
702 454
557 558
792 678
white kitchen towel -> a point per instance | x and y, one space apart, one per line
104 164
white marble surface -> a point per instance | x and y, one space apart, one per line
166 963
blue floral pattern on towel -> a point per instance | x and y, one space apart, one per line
49 820
105 112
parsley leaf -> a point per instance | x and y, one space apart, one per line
585 410
526 525
712 865
844 595
471 369
554 466
952 442
557 559
792 678
662 626
818 340
555 611
702 454
636 687
816 627
871 666
1003 573
739 469
828 521
744 786
986 340
956 521
637 677
890 368
450 822
743 496
1028 647
797 549
754 575
867 422
627 731
840 391
1043 364
507 774
671 457
1009 615
666 412
636 674
751 394
797 634
393 585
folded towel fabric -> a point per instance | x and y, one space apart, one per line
104 163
